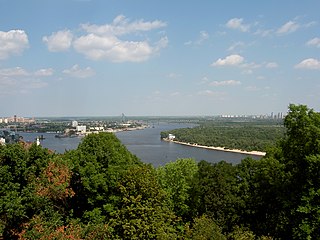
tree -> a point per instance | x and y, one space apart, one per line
99 162
218 193
19 167
204 228
176 178
142 212
300 149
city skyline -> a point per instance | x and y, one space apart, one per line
159 58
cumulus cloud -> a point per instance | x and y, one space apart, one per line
103 42
58 41
77 72
309 63
314 42
231 60
225 83
237 24
13 42
288 27
18 80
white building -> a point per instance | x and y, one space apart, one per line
74 123
171 137
81 129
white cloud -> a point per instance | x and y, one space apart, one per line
175 94
225 83
252 88
271 65
247 72
309 63
210 93
122 25
236 46
288 27
264 32
18 80
204 80
77 72
96 48
103 42
203 36
58 41
13 72
314 42
231 60
45 72
12 42
237 24
174 75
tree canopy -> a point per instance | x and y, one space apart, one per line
102 191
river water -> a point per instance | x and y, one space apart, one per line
146 145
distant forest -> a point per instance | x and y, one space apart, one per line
101 191
249 136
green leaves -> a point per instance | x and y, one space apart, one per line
142 213
177 178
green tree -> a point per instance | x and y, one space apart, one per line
19 167
219 193
99 162
300 149
204 228
177 178
142 212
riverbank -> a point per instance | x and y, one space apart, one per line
255 153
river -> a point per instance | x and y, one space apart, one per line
146 145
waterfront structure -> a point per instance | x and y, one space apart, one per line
82 129
16 119
171 137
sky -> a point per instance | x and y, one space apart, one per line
158 58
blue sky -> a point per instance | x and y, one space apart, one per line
105 58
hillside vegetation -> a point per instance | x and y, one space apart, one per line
102 191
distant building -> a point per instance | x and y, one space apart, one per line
171 137
81 129
74 123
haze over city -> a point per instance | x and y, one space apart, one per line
104 58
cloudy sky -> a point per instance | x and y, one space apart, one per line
160 57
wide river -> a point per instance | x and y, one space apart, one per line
146 145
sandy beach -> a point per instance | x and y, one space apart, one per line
256 153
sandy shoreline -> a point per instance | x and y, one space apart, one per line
256 153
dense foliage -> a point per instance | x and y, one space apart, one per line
102 191
249 136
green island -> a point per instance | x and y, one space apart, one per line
101 191
254 135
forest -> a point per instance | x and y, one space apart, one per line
101 191
247 136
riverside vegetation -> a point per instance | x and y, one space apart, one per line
101 191
247 136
